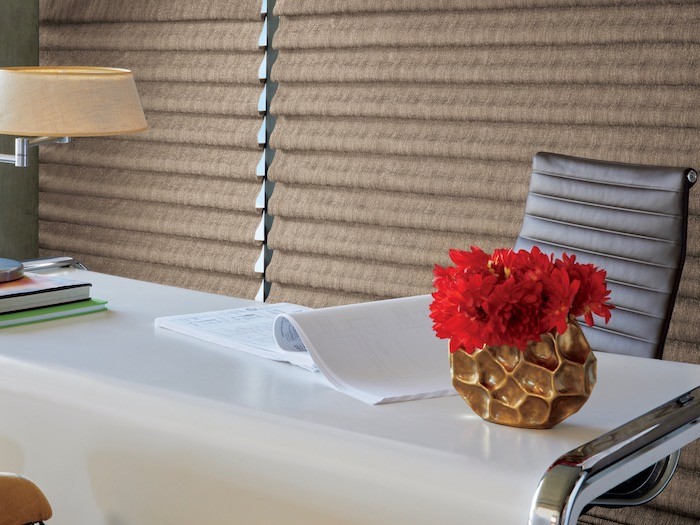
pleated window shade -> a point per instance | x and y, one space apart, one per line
175 204
405 128
408 127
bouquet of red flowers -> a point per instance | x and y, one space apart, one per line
510 298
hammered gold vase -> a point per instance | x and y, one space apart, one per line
537 388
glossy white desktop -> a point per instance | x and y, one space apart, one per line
122 423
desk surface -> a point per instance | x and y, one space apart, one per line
121 422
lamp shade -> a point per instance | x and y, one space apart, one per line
69 102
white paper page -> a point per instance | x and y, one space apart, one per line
286 335
248 329
378 352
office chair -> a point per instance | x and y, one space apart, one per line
21 501
632 221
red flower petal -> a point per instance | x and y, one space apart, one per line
510 298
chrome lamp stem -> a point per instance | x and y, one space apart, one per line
22 145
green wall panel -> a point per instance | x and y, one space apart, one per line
19 46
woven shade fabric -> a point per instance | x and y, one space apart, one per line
195 67
175 204
405 128
337 7
473 27
80 11
223 282
208 36
208 223
180 251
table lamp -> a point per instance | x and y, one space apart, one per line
44 105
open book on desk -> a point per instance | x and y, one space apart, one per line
248 329
378 352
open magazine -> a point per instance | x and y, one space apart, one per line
378 352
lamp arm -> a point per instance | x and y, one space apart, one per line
22 145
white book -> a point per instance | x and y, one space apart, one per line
378 352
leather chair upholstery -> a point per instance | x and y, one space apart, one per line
630 220
21 501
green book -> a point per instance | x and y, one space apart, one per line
36 315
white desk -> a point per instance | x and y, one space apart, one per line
122 423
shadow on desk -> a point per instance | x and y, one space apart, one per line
11 456
184 487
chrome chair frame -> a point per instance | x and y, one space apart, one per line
628 466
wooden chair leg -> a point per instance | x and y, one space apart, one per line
21 501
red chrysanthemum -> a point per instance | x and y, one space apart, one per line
511 298
592 296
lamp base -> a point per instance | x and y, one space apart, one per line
10 270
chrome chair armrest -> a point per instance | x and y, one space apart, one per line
583 476
48 263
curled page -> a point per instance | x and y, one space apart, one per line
286 335
378 352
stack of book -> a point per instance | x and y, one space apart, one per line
37 297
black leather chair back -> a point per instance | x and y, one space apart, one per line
630 220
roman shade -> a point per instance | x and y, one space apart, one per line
406 128
176 204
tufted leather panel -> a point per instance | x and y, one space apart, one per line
630 220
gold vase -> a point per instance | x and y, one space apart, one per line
537 388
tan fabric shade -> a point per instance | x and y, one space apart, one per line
69 101
175 204
404 128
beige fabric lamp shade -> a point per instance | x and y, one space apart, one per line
69 102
